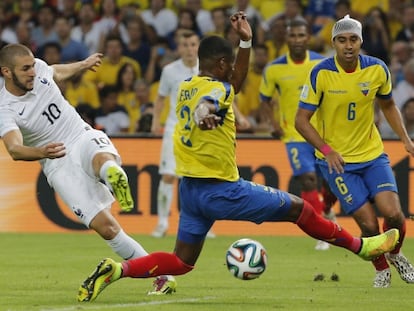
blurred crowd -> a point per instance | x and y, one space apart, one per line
138 38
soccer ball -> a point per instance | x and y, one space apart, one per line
246 259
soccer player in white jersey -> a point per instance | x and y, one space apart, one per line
342 90
171 77
38 123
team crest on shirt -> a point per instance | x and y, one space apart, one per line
216 93
44 81
364 86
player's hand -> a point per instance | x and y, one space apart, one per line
53 150
93 61
335 162
409 146
241 25
209 122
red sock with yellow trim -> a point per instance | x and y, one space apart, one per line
154 264
322 229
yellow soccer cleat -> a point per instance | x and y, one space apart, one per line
120 187
375 246
107 272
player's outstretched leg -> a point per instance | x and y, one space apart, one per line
107 272
164 284
402 265
377 245
120 187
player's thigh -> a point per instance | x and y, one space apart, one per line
301 158
83 194
247 201
91 143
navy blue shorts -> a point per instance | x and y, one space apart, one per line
203 201
301 157
360 182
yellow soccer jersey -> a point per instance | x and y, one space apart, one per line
209 153
344 103
287 78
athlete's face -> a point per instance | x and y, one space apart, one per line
20 79
347 47
297 40
188 47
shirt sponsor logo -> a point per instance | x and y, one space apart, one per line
337 91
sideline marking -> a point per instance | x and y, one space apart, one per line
83 306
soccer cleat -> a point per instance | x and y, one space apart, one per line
382 278
159 232
402 265
322 245
105 273
377 245
163 285
120 187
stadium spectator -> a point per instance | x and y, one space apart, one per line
172 75
407 113
277 37
286 76
111 117
341 90
211 188
69 10
44 31
145 121
78 90
23 34
42 126
125 82
137 47
203 17
87 31
111 63
164 20
72 50
248 101
407 31
405 89
318 13
186 21
50 52
401 53
376 34
220 21
322 41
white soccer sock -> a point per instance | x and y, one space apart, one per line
104 167
126 247
164 198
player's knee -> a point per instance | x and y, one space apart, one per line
183 267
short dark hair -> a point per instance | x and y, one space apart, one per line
213 47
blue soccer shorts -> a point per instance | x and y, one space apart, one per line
203 201
360 182
301 157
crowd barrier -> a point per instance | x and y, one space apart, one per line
28 204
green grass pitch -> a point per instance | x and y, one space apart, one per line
42 272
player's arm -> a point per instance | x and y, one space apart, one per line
13 141
204 115
393 116
241 25
306 129
156 127
65 71
241 121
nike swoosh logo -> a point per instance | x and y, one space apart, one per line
21 112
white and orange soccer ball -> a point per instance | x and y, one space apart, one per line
246 259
